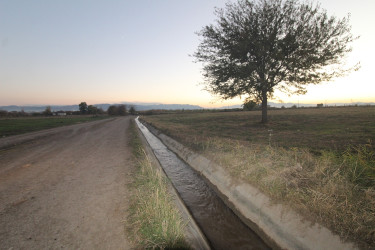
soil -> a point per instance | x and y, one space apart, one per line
66 188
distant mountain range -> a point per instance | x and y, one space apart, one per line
137 106
153 106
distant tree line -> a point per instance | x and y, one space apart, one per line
120 110
4 113
117 110
84 109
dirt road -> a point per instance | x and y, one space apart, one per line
67 190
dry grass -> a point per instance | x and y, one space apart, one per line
333 184
318 187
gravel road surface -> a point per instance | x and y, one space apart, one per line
66 189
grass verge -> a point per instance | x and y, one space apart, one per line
155 221
15 126
331 183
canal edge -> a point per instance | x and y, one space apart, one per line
276 224
193 234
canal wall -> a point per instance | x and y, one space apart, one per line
277 224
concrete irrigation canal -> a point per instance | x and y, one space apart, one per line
222 228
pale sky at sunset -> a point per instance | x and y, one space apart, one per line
55 52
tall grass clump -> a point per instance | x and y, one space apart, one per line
155 221
359 162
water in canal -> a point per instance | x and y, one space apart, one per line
221 226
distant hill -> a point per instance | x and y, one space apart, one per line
166 107
137 106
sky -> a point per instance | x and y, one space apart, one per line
55 52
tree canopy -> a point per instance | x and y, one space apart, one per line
256 47
92 110
117 110
132 110
48 111
83 108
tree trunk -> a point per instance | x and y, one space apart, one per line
264 107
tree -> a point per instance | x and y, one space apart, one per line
92 110
249 105
101 111
132 110
258 47
121 109
3 113
112 110
83 108
47 111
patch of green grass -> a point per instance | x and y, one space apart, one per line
15 126
321 162
155 221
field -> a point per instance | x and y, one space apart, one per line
320 162
326 128
14 126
